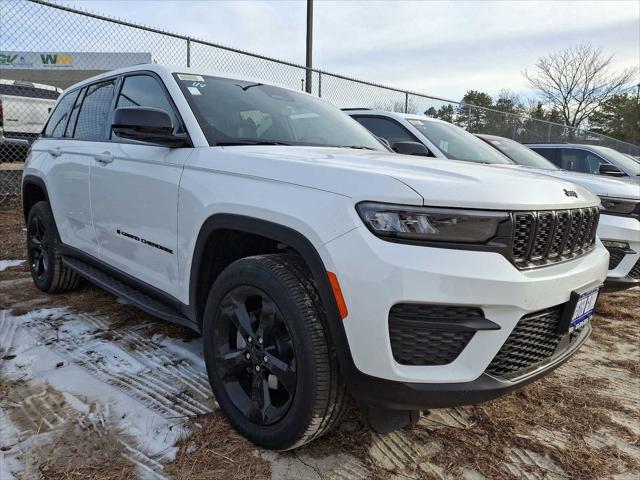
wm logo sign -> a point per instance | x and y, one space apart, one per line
57 59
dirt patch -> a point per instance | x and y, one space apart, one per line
502 428
215 450
12 246
85 450
49 436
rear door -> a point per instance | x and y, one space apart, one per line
66 170
134 193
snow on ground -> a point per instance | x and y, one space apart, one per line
4 264
68 368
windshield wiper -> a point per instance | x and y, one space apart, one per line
357 147
231 144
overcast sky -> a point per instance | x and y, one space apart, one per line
439 48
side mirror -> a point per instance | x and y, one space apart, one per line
146 124
411 148
611 170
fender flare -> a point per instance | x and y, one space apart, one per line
300 244
30 179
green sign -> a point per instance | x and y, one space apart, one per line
6 59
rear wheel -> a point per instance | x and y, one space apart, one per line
45 263
267 353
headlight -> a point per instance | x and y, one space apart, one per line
430 224
620 206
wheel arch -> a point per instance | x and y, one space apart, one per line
283 236
34 190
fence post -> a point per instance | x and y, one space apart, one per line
549 135
188 52
319 84
406 102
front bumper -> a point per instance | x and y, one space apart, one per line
419 396
375 275
624 269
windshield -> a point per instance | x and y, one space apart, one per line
619 159
456 143
237 112
520 154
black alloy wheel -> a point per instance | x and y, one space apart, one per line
255 356
38 248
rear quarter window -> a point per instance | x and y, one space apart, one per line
58 120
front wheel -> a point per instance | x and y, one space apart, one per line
267 353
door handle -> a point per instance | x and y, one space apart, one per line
104 157
55 152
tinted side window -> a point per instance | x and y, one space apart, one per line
58 119
550 154
94 112
580 161
387 129
144 91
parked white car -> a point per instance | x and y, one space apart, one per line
317 264
619 225
24 109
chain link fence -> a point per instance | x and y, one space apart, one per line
45 47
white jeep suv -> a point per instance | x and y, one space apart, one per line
318 266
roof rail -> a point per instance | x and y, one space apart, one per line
354 108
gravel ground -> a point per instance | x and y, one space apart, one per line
91 388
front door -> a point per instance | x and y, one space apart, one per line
134 194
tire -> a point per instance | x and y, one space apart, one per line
308 397
45 263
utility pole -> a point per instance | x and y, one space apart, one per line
309 63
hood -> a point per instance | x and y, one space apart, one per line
597 184
359 174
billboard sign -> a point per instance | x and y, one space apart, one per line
71 60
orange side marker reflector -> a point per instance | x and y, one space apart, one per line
337 293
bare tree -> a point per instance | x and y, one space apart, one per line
577 81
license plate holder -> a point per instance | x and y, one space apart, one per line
579 309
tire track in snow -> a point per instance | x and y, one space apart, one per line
130 363
148 351
37 408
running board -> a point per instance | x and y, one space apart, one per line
132 295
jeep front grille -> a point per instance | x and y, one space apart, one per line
551 236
